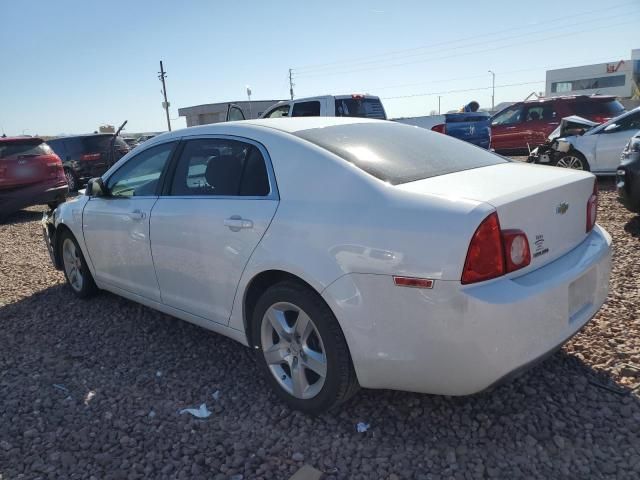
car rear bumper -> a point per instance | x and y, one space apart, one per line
459 340
40 193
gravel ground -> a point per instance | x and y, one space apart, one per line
93 389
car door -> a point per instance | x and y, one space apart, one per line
612 140
116 226
536 124
506 131
210 218
278 112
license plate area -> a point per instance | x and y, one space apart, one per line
582 294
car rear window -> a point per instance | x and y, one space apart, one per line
360 107
610 108
101 143
27 147
398 153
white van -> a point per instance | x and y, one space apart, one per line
355 105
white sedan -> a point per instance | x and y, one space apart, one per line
599 148
347 252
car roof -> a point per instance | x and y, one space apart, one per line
21 139
572 98
83 135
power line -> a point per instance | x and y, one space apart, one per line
448 42
468 53
463 90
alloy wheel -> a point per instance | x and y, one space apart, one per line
71 180
572 162
72 264
293 350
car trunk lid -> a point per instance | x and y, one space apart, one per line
548 204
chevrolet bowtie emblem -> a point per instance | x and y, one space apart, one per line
562 208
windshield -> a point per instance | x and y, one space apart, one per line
397 153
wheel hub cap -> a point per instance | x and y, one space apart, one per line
293 350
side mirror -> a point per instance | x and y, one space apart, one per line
96 188
611 128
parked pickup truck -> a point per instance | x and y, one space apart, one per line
353 105
472 127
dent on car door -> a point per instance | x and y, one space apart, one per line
116 226
208 221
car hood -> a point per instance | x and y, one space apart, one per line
570 123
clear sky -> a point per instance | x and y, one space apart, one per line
71 65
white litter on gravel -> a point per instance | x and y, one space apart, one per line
362 427
201 412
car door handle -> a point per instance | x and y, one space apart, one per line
137 215
236 223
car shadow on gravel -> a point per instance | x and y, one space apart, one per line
22 216
633 226
96 386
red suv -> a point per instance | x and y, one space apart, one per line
30 174
525 125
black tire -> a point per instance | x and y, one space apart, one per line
72 180
571 159
87 287
340 382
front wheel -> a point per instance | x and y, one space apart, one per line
302 350
573 160
75 267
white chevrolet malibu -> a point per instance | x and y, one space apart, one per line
346 252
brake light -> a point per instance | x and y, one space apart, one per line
516 249
440 128
494 252
485 257
357 96
592 207
90 156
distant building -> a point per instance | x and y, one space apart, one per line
619 78
217 112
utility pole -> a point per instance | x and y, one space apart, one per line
291 83
438 104
493 90
162 75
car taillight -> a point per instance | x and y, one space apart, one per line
485 257
90 156
592 207
494 252
516 249
440 128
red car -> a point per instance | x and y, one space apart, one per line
525 125
30 174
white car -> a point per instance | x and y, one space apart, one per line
599 148
347 252
353 105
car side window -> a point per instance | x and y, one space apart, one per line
306 109
630 122
139 176
533 114
220 167
510 116
281 111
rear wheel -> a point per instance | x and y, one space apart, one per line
573 160
72 181
75 267
302 350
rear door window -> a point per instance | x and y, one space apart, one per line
306 109
608 109
360 107
220 167
397 153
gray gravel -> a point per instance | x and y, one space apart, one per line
93 389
